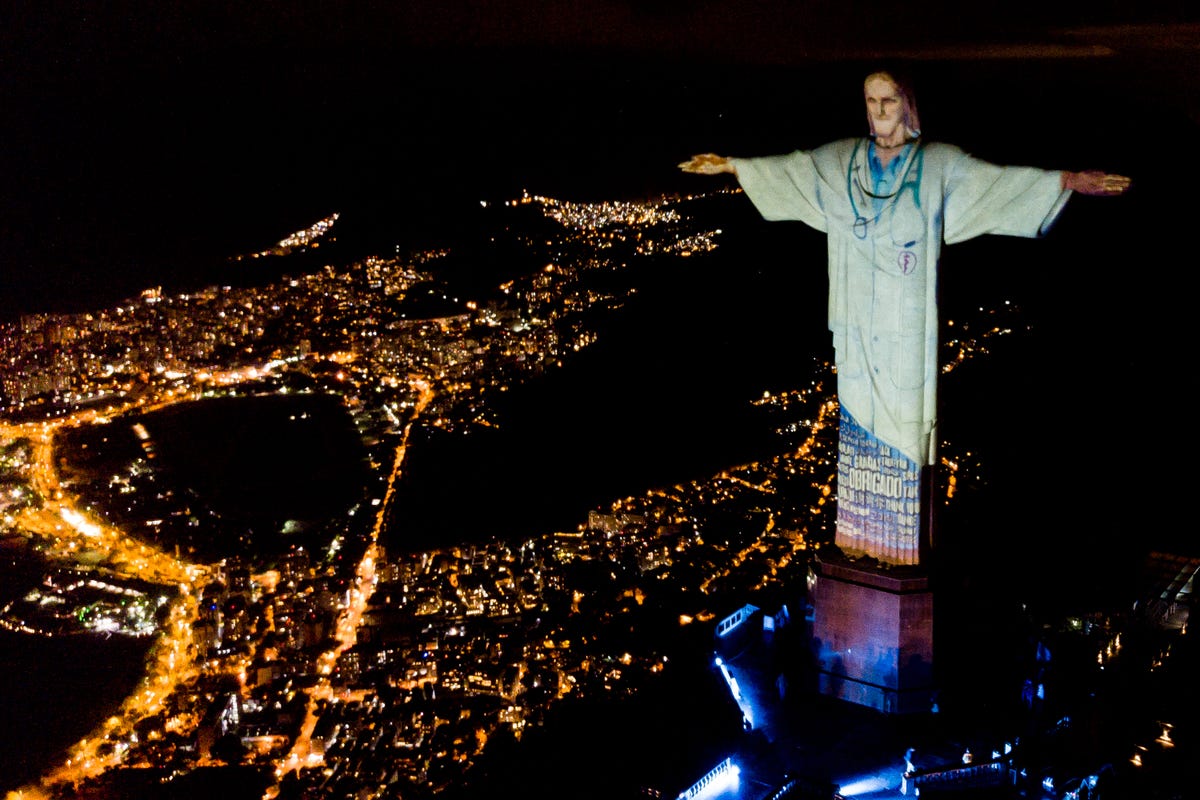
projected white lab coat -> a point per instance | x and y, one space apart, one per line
883 258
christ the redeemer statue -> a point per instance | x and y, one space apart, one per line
886 204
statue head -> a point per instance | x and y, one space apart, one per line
891 108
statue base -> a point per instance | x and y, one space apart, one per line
873 635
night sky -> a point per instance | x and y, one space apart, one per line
140 136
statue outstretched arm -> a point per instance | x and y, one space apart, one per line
1095 182
708 164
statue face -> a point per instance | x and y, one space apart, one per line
885 109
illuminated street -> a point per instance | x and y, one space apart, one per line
301 753
67 531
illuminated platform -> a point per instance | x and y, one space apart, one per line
873 635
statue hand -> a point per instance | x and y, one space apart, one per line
708 164
1094 182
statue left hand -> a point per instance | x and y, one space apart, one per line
1095 182
708 164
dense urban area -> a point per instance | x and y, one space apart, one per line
334 664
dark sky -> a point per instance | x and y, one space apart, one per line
141 136
52 39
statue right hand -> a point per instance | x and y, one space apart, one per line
1096 183
708 164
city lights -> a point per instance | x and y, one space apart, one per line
341 658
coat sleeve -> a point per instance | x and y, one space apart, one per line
785 187
984 198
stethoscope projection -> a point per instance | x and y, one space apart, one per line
858 190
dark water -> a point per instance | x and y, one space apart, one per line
229 473
267 456
54 692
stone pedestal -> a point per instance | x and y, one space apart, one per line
873 635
